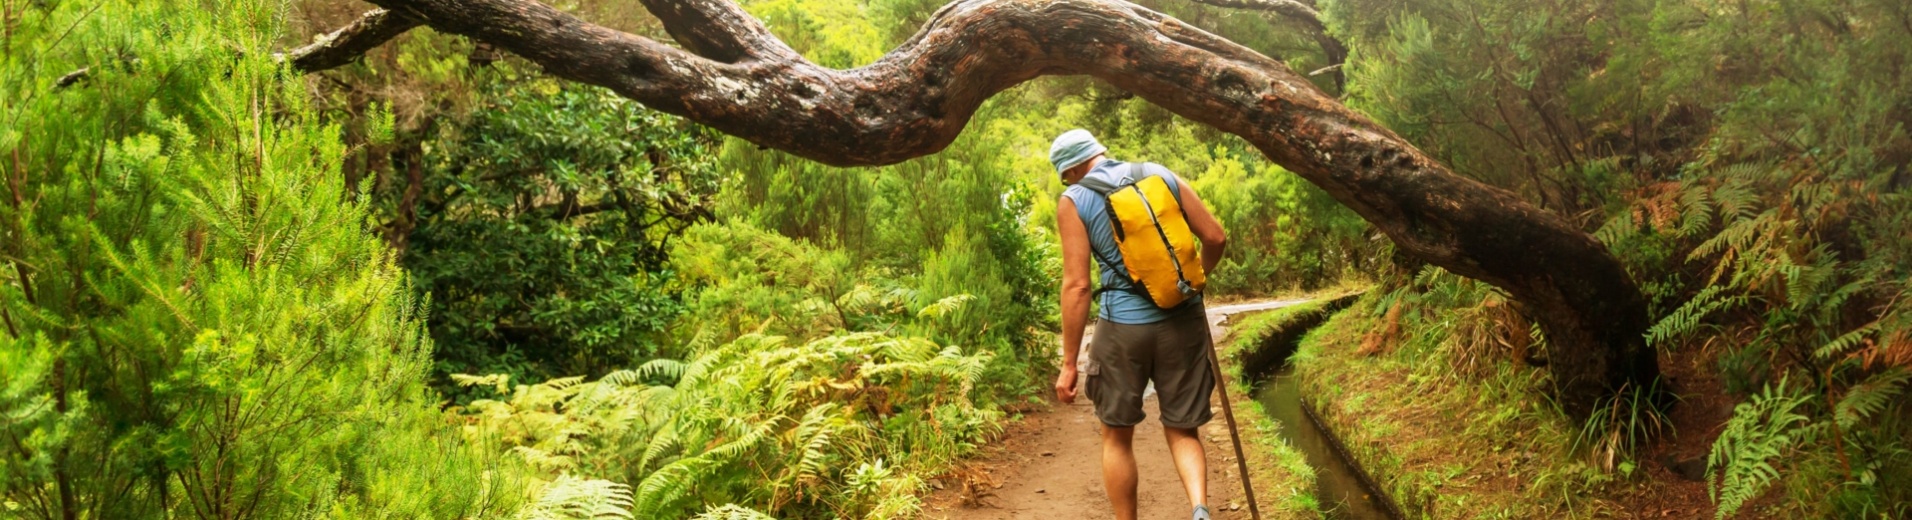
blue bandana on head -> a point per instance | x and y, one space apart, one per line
1073 147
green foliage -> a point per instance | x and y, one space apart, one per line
1622 425
1739 467
1747 162
832 33
568 498
543 231
943 247
197 322
1284 233
801 431
1685 319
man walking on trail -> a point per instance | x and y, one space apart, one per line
1137 340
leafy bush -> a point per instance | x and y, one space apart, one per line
197 321
544 227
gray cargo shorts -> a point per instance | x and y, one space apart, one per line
1173 353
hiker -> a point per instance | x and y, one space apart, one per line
1151 325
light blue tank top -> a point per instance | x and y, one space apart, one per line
1117 305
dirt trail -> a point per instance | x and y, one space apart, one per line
1049 465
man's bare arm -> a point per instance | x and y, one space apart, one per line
1075 293
1206 228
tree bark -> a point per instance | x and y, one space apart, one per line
733 75
340 47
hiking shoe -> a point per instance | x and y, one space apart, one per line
1201 513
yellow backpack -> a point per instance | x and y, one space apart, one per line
1151 231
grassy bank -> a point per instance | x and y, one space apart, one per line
1431 396
1442 446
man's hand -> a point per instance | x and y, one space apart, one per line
1066 385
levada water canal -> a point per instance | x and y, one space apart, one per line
1341 489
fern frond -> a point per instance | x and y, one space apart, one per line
1696 212
662 443
666 369
815 434
1761 430
670 483
1688 316
500 382
944 306
753 435
623 377
1616 229
571 498
1870 397
1735 199
733 512
1839 345
1428 275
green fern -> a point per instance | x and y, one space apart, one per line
571 498
1735 199
1688 316
944 306
733 512
1838 346
1740 465
793 418
1870 397
660 491
1696 212
662 369
1616 229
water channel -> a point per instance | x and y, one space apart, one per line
1338 486
1341 490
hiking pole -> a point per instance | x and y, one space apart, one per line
1228 412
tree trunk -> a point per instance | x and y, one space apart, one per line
733 75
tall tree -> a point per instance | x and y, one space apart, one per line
732 74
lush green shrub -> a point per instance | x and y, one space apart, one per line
542 232
197 322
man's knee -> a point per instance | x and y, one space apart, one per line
1122 434
1173 433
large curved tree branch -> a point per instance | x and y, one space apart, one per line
733 76
341 46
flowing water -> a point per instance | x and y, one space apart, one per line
1338 485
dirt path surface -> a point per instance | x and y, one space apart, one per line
1048 466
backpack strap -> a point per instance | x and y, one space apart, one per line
1103 188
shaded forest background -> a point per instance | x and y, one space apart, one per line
436 283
